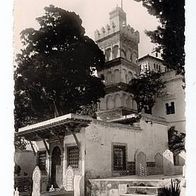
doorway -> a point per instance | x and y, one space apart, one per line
56 168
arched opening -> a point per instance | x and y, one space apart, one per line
109 77
108 54
134 58
129 102
117 76
129 55
123 53
134 105
109 102
56 168
115 51
130 76
124 75
117 101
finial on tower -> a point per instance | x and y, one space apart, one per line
121 4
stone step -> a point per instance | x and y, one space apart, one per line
58 193
128 194
144 183
143 190
130 182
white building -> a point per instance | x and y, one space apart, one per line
74 147
171 106
151 63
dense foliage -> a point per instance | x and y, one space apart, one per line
20 143
145 88
55 69
172 190
176 141
169 35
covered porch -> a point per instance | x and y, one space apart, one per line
59 147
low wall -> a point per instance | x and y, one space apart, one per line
154 171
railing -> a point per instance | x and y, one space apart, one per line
24 185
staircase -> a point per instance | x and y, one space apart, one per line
58 193
141 188
127 186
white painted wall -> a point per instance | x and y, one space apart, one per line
100 136
176 94
148 64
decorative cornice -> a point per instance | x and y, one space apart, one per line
111 30
116 87
149 56
56 125
120 61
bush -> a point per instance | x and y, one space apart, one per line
172 190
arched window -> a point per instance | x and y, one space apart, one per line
117 101
102 104
130 76
73 156
116 76
134 105
134 57
109 77
129 55
108 54
115 51
129 102
123 53
124 75
109 102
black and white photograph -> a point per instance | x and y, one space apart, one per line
99 98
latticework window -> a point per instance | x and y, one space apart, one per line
131 168
73 156
150 164
119 157
42 160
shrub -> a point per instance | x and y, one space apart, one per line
172 190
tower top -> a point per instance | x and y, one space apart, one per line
121 3
117 17
118 23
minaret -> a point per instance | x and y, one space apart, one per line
119 42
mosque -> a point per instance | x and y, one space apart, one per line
84 156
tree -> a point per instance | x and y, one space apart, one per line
55 72
145 88
176 140
169 35
20 143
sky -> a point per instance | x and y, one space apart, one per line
94 14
